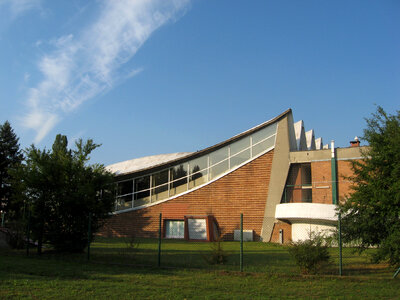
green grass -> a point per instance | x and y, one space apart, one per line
116 272
258 257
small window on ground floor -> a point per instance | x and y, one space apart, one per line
197 229
174 229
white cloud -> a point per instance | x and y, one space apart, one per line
27 76
89 63
133 73
18 7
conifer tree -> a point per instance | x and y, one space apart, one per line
61 189
10 158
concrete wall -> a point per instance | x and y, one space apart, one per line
285 142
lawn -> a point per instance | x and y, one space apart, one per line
258 257
116 271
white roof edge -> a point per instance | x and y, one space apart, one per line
142 163
254 127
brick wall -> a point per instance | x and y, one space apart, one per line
322 186
287 232
244 190
322 182
344 186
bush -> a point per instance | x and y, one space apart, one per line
131 247
311 254
217 255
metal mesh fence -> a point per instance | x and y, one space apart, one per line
241 253
193 245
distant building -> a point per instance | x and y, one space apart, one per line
284 181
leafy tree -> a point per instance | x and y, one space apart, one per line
10 158
371 216
61 189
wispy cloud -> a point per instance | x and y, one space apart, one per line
91 62
18 7
72 140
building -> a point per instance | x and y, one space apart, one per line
282 179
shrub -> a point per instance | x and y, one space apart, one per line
217 255
311 254
131 247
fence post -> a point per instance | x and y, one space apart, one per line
340 243
159 241
241 242
28 231
89 234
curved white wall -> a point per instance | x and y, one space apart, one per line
308 218
306 211
302 230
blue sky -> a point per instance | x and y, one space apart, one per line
163 76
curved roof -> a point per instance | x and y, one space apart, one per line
149 162
138 164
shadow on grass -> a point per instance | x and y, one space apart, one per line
114 256
14 264
258 257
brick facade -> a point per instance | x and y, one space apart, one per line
344 186
321 182
287 232
322 185
244 190
321 190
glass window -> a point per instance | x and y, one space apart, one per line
174 229
178 179
263 133
240 151
198 171
142 183
263 146
298 184
197 229
142 191
219 162
124 202
263 139
160 186
124 187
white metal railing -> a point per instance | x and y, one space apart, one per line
207 174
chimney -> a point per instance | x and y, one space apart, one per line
355 143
